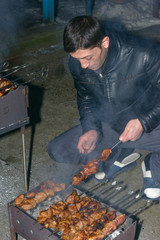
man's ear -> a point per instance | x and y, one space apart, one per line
105 42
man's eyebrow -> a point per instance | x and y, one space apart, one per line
86 56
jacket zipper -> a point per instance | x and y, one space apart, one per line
106 90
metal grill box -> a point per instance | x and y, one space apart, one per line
13 109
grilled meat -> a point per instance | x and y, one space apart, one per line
109 227
59 187
40 197
96 235
30 194
88 169
90 221
49 192
51 223
28 204
105 154
47 189
72 198
18 200
6 86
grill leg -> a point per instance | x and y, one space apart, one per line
14 235
24 159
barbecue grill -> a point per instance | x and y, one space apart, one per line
13 115
24 222
13 109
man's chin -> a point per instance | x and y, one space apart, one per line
92 68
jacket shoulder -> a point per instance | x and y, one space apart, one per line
74 66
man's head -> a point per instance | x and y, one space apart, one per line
85 40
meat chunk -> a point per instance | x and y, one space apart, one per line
105 154
88 169
18 200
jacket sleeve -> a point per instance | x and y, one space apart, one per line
87 104
150 118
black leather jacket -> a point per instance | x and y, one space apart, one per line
127 87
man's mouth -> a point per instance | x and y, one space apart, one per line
92 67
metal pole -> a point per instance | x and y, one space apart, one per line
24 159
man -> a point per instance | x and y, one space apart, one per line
118 97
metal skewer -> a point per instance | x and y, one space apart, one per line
125 198
93 188
115 145
107 189
148 204
84 156
24 160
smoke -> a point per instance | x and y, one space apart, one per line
12 15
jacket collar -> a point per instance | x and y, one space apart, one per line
112 55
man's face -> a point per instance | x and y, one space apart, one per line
92 58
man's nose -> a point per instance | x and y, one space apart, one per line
84 63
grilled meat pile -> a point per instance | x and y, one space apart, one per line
80 218
31 199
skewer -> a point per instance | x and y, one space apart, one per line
103 155
113 193
15 69
108 189
102 159
145 206
93 188
132 202
115 145
124 198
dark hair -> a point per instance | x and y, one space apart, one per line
82 32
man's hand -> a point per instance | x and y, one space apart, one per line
132 131
87 141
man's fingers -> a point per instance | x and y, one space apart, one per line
91 148
87 142
86 149
123 136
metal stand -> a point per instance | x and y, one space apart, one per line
24 159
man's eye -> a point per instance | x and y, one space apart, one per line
88 58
